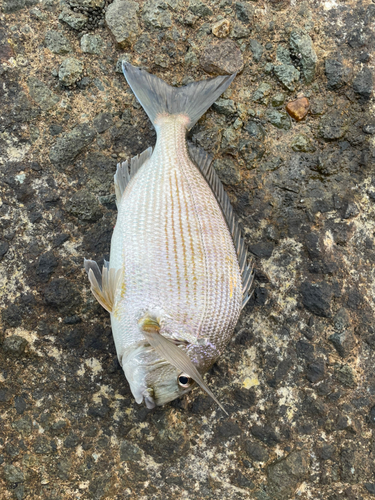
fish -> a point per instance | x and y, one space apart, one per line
179 274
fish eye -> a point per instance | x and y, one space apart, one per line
184 380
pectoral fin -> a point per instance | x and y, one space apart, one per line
173 354
103 284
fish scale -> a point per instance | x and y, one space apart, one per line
170 226
173 286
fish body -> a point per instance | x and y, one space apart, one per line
176 284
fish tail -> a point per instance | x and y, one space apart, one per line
157 97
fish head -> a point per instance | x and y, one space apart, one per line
152 379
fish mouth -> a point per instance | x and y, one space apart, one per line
138 363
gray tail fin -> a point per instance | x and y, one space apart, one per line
157 97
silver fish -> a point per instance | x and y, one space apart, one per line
178 274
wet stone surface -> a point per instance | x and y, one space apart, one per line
297 379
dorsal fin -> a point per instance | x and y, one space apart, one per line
204 162
103 285
123 175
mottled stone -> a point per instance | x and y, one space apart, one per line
302 45
189 19
102 122
357 38
262 92
13 474
299 108
262 249
333 126
278 119
242 481
92 44
224 106
162 60
283 55
256 451
19 492
363 83
75 20
87 4
199 8
41 94
4 247
23 425
42 446
229 140
285 475
221 28
46 264
129 452
315 371
316 297
84 205
222 58
344 342
61 294
372 415
69 145
38 14
279 5
345 375
257 50
239 31
10 6
244 12
302 143
370 487
369 128
266 433
12 315
277 100
191 58
142 44
341 320
14 345
326 452
71 441
287 74
305 350
70 71
336 73
57 43
227 171
251 147
19 404
155 13
122 20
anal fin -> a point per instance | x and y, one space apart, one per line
123 174
103 284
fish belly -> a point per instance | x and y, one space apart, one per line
176 254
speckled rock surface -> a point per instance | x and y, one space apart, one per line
297 379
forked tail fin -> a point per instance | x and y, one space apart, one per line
157 97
